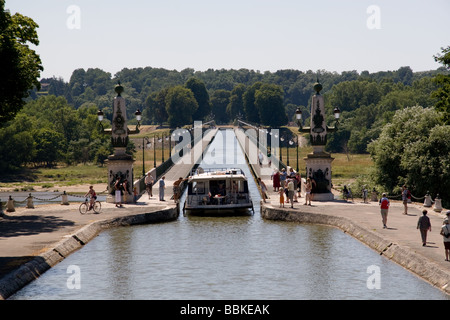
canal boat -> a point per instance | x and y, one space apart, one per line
218 191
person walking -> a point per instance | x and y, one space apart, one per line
384 208
405 195
424 225
149 184
445 233
291 191
162 186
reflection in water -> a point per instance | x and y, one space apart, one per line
227 258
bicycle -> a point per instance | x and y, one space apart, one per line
84 207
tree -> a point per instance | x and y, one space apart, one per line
443 81
49 146
251 112
20 65
180 106
236 104
201 95
269 103
220 100
413 149
156 103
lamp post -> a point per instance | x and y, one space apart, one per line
291 142
154 152
143 153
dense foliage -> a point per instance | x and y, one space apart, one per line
20 66
413 149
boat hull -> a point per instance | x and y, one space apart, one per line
220 210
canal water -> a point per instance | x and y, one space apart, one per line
227 258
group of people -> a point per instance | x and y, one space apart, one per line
288 186
149 182
423 224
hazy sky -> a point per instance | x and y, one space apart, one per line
335 35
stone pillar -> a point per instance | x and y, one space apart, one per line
437 204
64 199
120 164
30 204
10 205
318 163
427 201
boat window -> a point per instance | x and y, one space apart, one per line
217 187
197 187
239 186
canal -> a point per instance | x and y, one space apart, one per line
227 258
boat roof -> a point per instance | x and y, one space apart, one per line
217 174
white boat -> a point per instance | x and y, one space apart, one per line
218 192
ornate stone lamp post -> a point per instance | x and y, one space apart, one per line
318 163
120 163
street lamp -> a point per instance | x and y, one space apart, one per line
337 114
100 116
143 153
138 115
298 116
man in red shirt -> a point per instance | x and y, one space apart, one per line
384 206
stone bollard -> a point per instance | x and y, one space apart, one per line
10 205
437 204
427 202
64 200
30 204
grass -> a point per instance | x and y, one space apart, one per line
47 178
345 168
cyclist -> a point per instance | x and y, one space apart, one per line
93 196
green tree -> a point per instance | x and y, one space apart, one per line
236 104
17 146
220 100
156 106
443 81
20 65
413 149
251 112
201 95
49 147
180 106
269 103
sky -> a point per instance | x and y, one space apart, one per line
331 35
